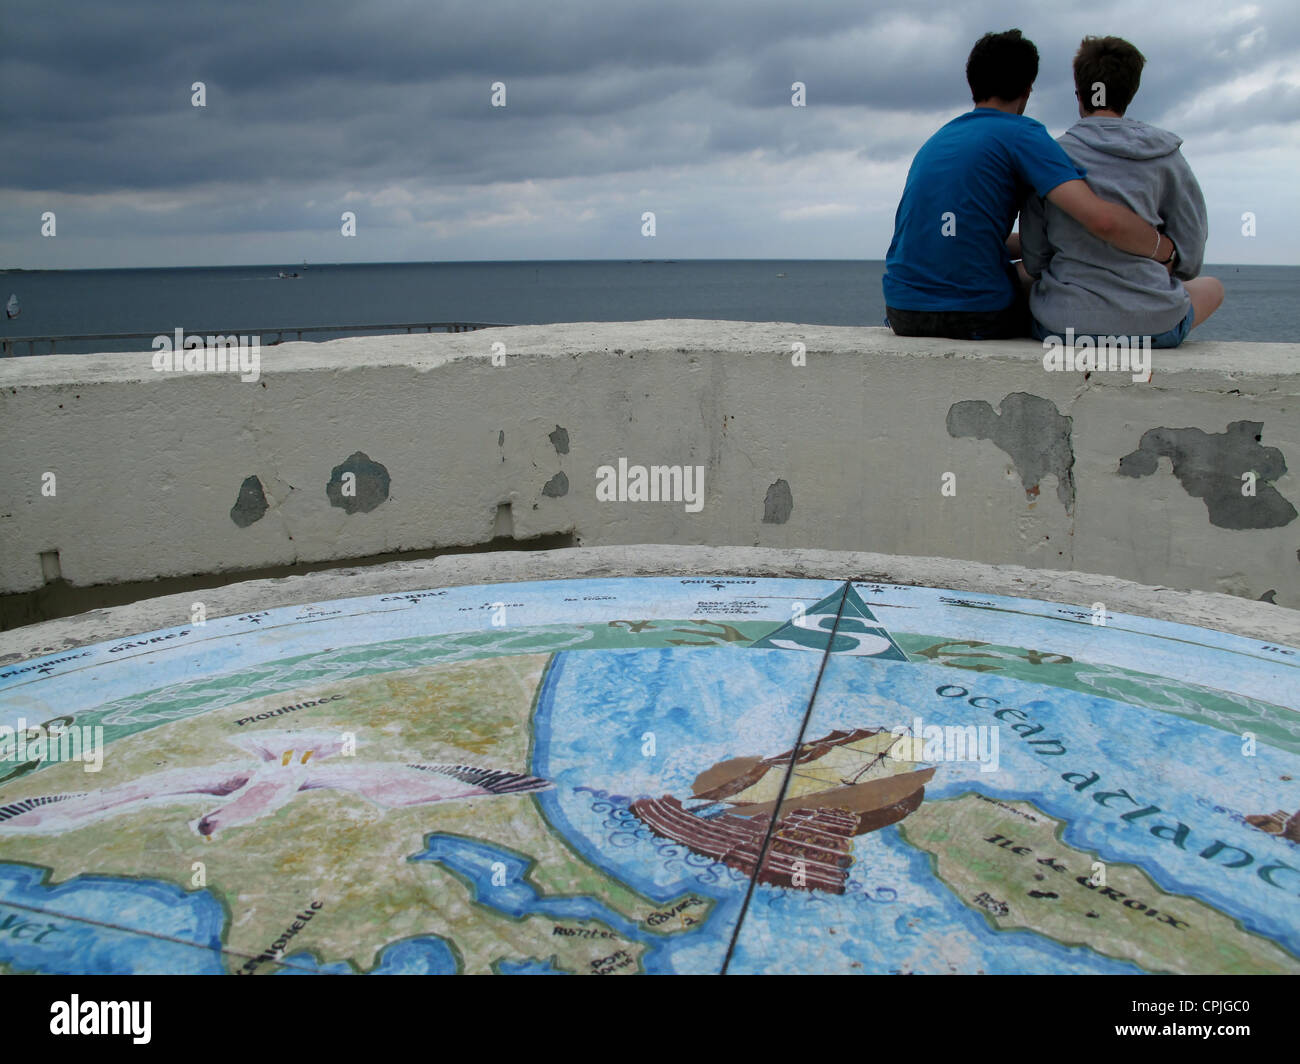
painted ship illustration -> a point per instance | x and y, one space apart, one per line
1279 823
841 785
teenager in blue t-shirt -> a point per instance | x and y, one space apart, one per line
950 271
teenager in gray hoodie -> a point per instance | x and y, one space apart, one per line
1083 283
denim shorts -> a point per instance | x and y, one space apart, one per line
1172 338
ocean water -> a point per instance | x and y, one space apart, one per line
1261 302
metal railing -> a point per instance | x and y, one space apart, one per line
8 343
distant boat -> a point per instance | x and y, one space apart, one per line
288 276
780 275
13 308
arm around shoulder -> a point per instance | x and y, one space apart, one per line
1085 207
1111 222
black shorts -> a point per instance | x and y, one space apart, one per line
1008 323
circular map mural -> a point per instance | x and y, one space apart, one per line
617 776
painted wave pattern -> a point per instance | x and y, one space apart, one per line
1278 725
345 663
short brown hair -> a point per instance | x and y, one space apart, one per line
1001 66
1112 63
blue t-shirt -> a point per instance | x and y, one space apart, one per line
968 181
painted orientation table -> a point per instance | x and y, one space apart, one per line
655 774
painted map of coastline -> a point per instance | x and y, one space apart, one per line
585 777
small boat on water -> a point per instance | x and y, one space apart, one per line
13 308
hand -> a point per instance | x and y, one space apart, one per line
1172 256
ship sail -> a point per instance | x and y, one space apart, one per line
863 758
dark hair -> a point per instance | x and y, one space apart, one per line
1004 65
1113 63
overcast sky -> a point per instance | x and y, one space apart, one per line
680 107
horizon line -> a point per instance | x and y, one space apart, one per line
496 262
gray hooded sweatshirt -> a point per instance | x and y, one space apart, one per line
1085 283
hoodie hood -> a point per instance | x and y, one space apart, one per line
1125 138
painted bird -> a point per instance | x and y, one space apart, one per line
288 763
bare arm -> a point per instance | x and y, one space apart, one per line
1107 221
1013 245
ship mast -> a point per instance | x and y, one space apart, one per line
857 776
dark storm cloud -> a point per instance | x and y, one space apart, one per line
1277 105
356 91
316 100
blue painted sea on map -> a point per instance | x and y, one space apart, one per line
181 930
603 704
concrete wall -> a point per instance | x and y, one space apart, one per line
172 474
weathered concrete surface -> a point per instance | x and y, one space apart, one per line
1031 431
849 451
1222 612
1219 468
